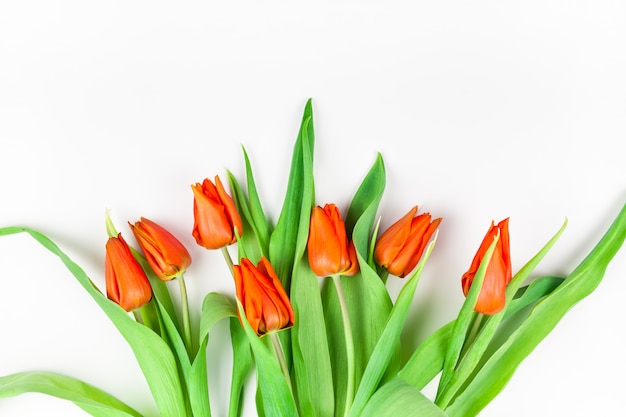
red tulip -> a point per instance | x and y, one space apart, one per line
167 257
126 282
215 215
262 296
329 251
492 296
400 247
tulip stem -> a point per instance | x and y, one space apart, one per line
229 260
137 316
280 354
185 309
347 330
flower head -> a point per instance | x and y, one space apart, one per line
493 292
329 251
401 246
262 296
216 219
167 257
126 282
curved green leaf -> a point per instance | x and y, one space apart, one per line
385 347
311 357
397 398
497 371
277 398
153 355
91 399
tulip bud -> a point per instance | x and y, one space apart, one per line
264 300
167 257
329 251
126 282
215 216
400 247
492 296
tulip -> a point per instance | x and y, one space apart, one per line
216 220
262 296
329 251
492 297
167 257
126 282
401 246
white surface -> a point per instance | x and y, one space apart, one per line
481 110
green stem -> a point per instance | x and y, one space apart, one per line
347 330
185 309
280 355
150 316
229 260
138 317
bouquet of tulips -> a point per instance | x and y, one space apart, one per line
310 313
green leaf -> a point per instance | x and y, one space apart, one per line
311 357
385 348
283 240
91 399
427 360
489 325
277 398
261 226
497 371
215 307
198 384
242 366
153 355
465 319
397 398
249 242
367 298
364 206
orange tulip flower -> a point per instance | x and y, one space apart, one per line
126 282
400 247
215 215
492 296
262 296
329 251
167 257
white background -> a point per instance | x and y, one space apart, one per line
481 110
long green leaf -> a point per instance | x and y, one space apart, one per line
397 398
497 371
91 399
465 319
242 366
277 398
249 243
153 355
427 360
313 373
490 325
284 237
385 347
367 298
215 307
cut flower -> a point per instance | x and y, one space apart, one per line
126 282
264 300
329 251
493 292
401 246
216 220
167 257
